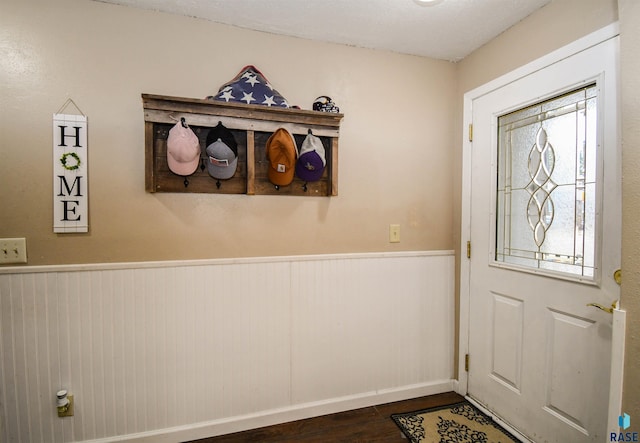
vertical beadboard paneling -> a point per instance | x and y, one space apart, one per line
5 348
150 348
369 324
9 395
25 352
127 322
110 355
116 395
44 359
253 333
61 321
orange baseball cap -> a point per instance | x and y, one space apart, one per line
281 151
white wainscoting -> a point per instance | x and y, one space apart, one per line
166 352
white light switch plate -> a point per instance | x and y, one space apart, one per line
394 233
13 250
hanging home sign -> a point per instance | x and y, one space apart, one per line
70 196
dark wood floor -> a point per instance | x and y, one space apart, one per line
365 425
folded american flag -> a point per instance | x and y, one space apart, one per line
250 87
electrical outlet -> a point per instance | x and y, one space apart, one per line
394 233
13 250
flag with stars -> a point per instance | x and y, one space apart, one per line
252 88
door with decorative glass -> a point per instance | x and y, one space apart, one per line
545 231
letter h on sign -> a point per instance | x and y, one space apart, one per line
70 196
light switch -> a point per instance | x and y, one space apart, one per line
13 250
394 233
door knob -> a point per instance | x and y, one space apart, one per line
614 305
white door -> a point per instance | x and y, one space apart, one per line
545 243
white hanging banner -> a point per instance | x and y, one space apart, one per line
70 191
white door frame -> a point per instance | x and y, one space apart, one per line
586 42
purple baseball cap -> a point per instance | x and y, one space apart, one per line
311 161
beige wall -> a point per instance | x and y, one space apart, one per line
396 148
551 27
630 93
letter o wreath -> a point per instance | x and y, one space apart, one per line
73 167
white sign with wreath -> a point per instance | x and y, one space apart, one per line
70 190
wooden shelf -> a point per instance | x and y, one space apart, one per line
251 126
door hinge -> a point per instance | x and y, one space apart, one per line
470 132
469 249
466 362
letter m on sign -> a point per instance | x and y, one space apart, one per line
70 178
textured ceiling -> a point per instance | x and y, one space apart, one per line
449 29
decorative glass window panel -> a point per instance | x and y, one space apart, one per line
546 192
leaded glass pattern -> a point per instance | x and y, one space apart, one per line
546 190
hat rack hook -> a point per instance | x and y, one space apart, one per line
218 184
304 187
186 182
183 121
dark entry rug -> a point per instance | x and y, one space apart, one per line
458 423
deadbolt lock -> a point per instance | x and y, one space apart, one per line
617 276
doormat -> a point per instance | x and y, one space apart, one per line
460 423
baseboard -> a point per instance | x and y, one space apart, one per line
283 415
456 387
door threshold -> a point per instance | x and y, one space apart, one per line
506 426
